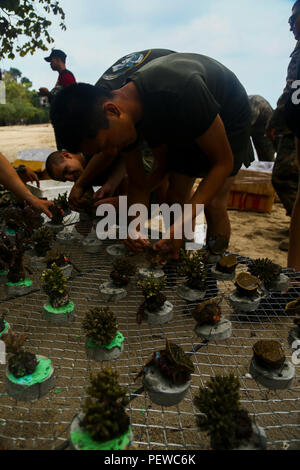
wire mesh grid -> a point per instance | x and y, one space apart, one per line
45 423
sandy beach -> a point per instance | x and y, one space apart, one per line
253 234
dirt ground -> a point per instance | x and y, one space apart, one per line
253 234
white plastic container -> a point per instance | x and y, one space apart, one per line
50 188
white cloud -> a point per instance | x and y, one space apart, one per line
250 36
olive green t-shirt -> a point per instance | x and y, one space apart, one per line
181 96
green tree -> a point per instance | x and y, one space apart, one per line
22 104
15 73
30 19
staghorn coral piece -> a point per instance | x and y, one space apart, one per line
193 266
21 362
42 239
62 201
100 325
57 214
221 414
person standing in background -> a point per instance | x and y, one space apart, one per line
261 114
57 60
285 170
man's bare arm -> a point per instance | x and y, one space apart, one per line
10 179
215 144
294 245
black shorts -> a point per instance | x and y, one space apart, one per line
191 161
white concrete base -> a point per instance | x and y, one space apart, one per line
244 304
33 392
164 315
281 284
222 276
103 354
58 317
118 250
221 330
294 335
146 273
110 293
18 291
55 227
75 426
273 379
92 245
258 440
67 238
161 390
67 270
191 295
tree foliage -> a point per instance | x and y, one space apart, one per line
28 19
22 104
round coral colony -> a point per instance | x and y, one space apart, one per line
225 268
103 423
270 274
103 340
228 425
210 323
269 365
245 298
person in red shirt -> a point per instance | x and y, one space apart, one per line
57 60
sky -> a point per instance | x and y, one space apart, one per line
250 37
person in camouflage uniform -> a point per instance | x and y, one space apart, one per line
261 114
285 170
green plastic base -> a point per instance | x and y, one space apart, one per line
68 308
26 282
116 342
5 328
83 440
41 373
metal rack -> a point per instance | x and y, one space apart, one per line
44 424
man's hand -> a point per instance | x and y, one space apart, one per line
136 245
41 205
114 201
106 191
171 247
28 174
271 134
75 196
44 92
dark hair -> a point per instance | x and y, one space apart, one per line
55 158
296 4
76 114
